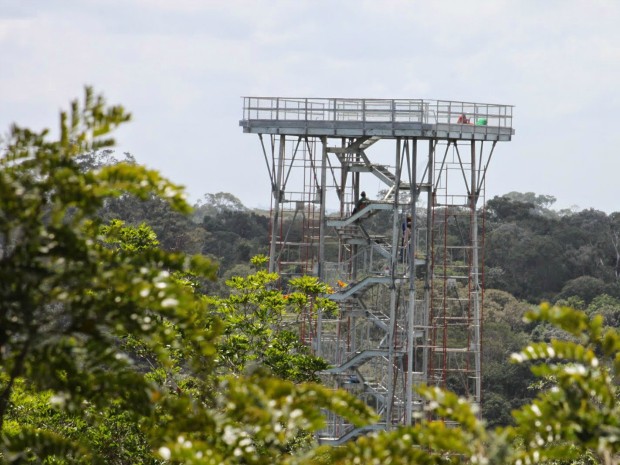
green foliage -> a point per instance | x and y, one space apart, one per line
259 421
129 239
214 204
580 412
602 301
585 288
107 353
505 386
608 307
310 296
234 235
428 442
174 229
541 202
260 325
70 287
534 253
111 433
575 419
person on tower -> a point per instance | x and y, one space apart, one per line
406 236
361 203
463 119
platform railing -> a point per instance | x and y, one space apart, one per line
377 111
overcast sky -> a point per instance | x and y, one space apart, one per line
182 66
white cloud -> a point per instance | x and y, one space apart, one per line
181 68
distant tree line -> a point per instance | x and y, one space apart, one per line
538 254
532 254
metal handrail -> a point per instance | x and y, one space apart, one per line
376 111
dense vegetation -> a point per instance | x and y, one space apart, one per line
532 254
133 330
537 254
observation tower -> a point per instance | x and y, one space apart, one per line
406 264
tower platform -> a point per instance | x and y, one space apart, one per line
385 118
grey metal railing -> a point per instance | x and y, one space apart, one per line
377 111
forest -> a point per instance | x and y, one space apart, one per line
135 328
532 254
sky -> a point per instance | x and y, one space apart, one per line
181 67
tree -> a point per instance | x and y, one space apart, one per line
588 243
542 202
214 204
175 230
606 306
524 262
79 298
235 236
66 296
504 208
579 413
614 233
584 287
532 253
83 301
261 325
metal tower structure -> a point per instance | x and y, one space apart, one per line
406 264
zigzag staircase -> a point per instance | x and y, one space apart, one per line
365 367
351 231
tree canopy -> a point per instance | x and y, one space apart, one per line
101 323
111 353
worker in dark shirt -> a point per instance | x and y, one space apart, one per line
361 203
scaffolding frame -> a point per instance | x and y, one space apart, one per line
406 266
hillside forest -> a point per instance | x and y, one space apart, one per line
135 328
532 254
